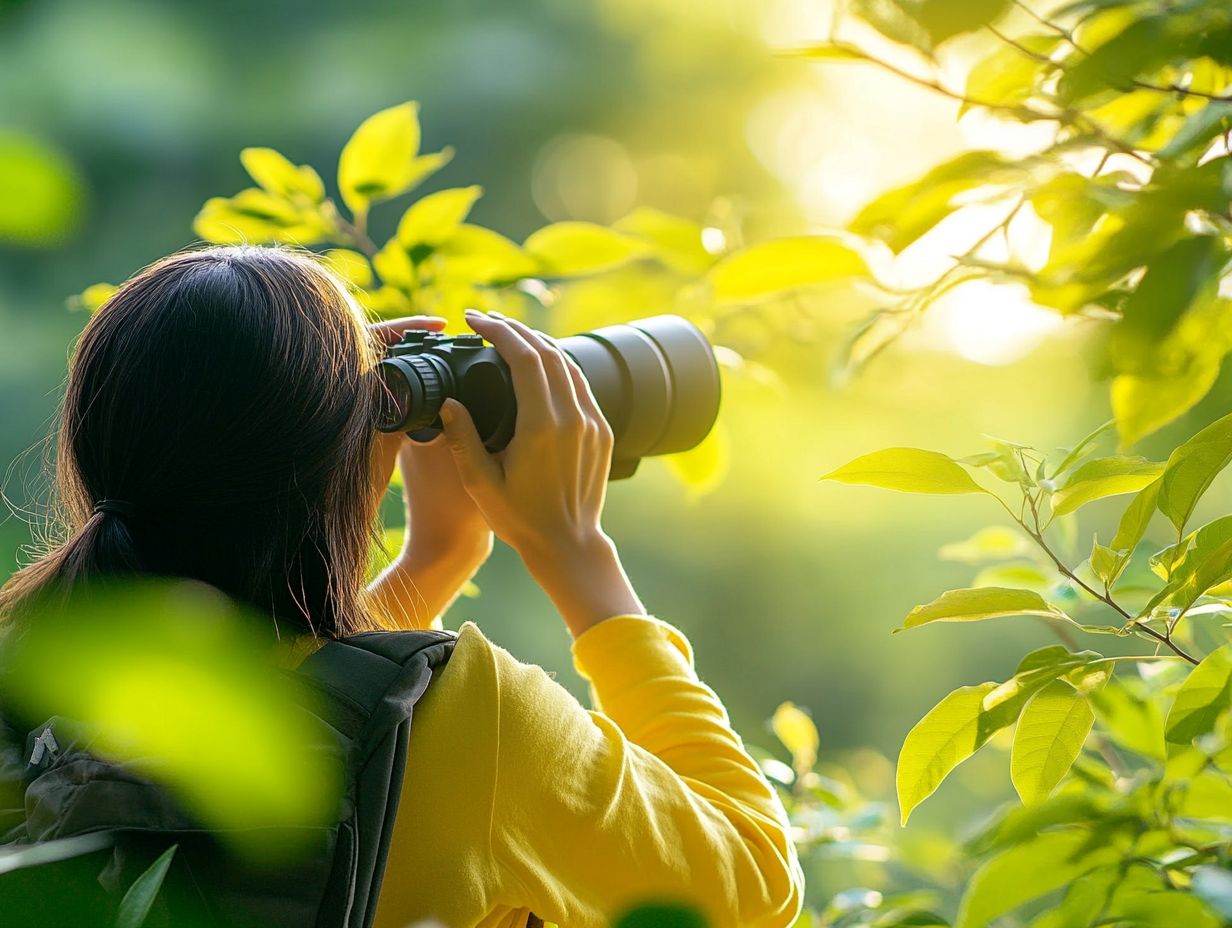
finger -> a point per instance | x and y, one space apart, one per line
581 387
479 471
530 383
392 330
560 384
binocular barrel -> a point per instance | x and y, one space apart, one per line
656 381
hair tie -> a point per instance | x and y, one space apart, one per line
117 507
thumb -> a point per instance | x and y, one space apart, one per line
477 468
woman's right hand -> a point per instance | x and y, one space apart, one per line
543 494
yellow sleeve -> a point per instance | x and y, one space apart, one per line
653 799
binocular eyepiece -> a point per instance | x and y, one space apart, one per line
656 381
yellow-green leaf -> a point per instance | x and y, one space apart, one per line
1050 734
477 255
1143 404
278 176
677 242
376 162
394 266
793 726
1101 478
701 469
255 217
996 542
1191 469
772 268
350 265
974 605
92 298
908 470
432 219
939 742
1205 694
566 249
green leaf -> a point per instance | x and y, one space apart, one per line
1113 64
908 470
677 242
996 542
1191 469
703 467
1103 477
1008 75
350 265
569 249
378 161
42 192
137 902
1174 280
394 265
1106 563
981 603
827 51
1084 447
1051 732
1205 694
770 269
474 254
793 726
939 742
1136 518
256 217
902 215
278 176
92 298
1133 720
1028 871
1198 131
432 219
1146 403
946 18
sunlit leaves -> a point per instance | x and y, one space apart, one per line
982 603
569 248
1113 64
1103 477
1051 731
432 219
381 160
908 470
41 192
703 467
139 899
478 255
939 742
1007 76
1146 403
173 681
677 242
350 265
1191 469
772 268
255 217
1028 871
905 213
796 730
1205 694
92 298
992 543
278 176
945 18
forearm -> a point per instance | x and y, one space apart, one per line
423 581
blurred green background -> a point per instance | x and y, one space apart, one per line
118 120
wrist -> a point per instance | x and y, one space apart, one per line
585 581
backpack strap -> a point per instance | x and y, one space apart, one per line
382 675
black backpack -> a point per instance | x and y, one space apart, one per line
368 685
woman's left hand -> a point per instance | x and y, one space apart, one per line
442 518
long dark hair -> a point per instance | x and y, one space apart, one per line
227 395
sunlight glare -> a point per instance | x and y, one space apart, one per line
990 323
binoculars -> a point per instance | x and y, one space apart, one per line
656 381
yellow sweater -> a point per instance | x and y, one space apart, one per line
518 800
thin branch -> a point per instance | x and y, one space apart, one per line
1048 24
1181 91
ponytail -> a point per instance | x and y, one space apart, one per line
102 549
